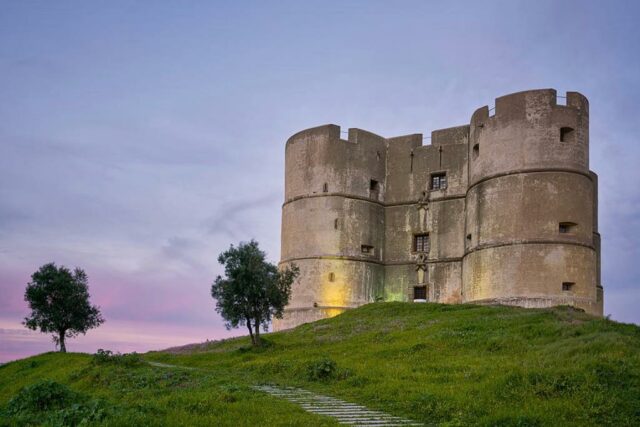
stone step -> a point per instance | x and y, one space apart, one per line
346 413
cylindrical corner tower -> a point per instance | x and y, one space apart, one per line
531 239
332 221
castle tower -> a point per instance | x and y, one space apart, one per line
500 211
531 229
333 221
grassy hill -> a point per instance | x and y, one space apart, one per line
438 364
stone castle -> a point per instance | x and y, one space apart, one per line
500 211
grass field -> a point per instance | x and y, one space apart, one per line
448 365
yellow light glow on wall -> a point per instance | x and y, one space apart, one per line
333 312
336 293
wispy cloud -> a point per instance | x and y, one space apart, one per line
232 219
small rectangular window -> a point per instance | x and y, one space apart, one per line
332 277
420 293
366 249
335 223
567 134
439 181
567 286
567 227
325 188
374 189
421 243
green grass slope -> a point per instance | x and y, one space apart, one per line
438 364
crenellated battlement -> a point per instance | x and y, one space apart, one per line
324 132
529 106
529 131
334 133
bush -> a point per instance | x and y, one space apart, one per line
42 396
321 370
103 357
50 403
325 370
79 414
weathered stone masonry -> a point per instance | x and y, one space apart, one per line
503 210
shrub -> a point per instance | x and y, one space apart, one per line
80 414
321 370
42 396
50 403
326 369
102 357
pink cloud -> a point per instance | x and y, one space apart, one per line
143 312
123 336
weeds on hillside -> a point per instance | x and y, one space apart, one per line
129 360
51 403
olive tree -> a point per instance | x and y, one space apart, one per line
59 303
253 290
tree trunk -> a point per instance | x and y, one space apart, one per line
63 348
258 343
253 341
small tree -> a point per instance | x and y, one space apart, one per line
253 291
59 303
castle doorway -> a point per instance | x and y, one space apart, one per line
419 294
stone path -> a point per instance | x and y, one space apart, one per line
166 365
344 412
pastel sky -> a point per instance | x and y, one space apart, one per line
140 139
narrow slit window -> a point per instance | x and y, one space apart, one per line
420 293
332 277
439 181
567 227
374 187
421 242
335 223
325 187
476 151
366 249
567 134
567 286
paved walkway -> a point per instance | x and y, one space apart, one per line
344 412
